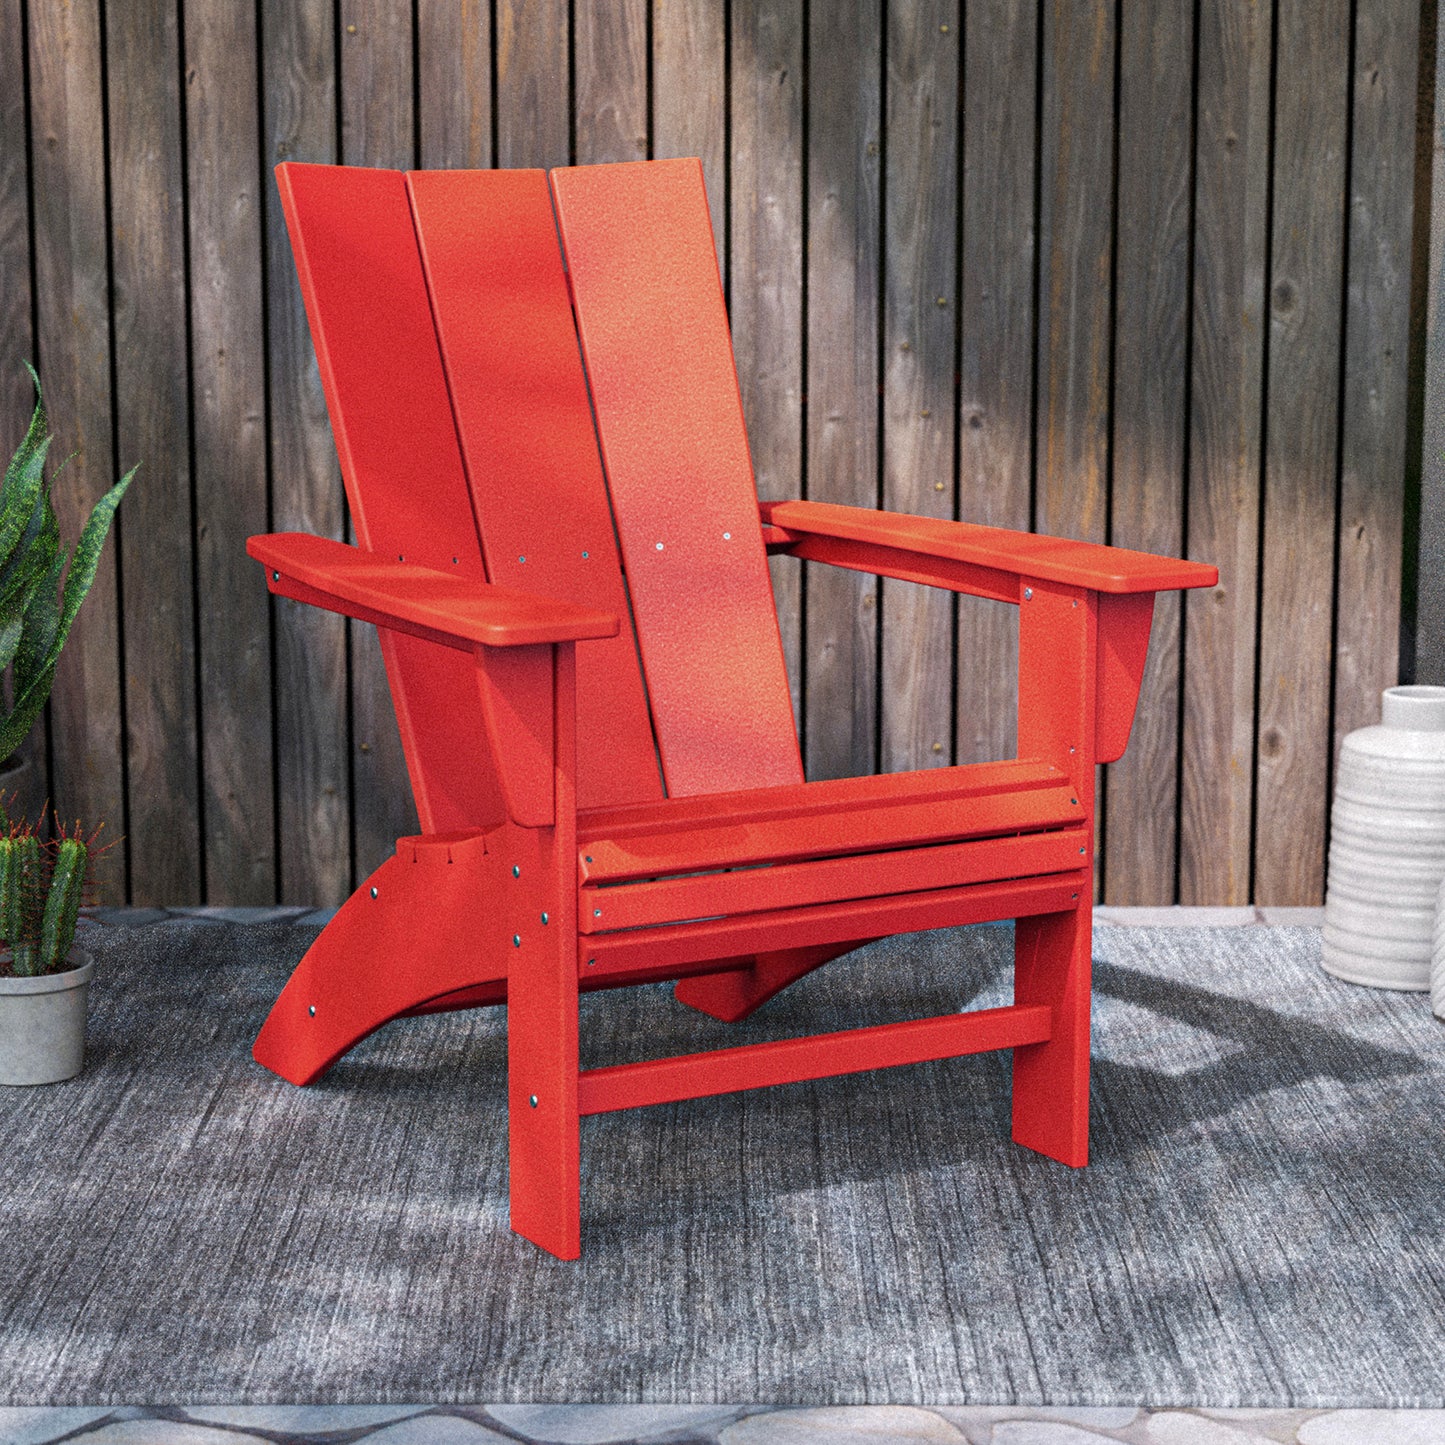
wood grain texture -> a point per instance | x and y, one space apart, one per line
996 358
17 395
840 717
804 143
313 777
228 398
1151 341
1430 584
766 265
1226 379
148 257
533 49
1076 179
17 335
73 347
920 312
1307 273
689 97
377 129
609 56
454 83
1377 326
1075 253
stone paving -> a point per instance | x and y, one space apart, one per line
712 1425
579 1424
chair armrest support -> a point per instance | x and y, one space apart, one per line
453 611
964 557
1114 586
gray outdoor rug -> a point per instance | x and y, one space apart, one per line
1263 1222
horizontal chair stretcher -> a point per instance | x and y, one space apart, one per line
820 1056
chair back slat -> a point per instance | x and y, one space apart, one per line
653 326
509 345
361 279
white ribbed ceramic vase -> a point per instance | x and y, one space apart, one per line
1437 958
1387 844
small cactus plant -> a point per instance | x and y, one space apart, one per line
19 893
42 886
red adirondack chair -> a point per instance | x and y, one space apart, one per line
607 772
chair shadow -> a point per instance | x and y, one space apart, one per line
957 1111
1135 1106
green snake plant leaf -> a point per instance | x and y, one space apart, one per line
31 560
11 625
15 724
23 508
86 557
38 649
37 432
37 609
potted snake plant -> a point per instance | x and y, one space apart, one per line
43 980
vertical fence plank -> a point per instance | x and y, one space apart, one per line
1429 631
534 127
1151 340
228 391
920 301
17 339
996 318
840 716
610 56
1226 375
1377 325
312 777
1075 253
148 248
1076 177
689 96
1301 435
767 270
454 82
377 129
17 396
73 292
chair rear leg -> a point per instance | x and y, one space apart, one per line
731 996
1052 965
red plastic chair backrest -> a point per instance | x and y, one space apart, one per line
445 333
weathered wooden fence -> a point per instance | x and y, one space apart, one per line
1116 269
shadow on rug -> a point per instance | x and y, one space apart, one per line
1263 1222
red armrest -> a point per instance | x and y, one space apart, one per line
1019 554
456 611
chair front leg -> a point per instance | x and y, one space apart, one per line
542 1059
1058 641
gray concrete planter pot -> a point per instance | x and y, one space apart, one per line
42 1023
